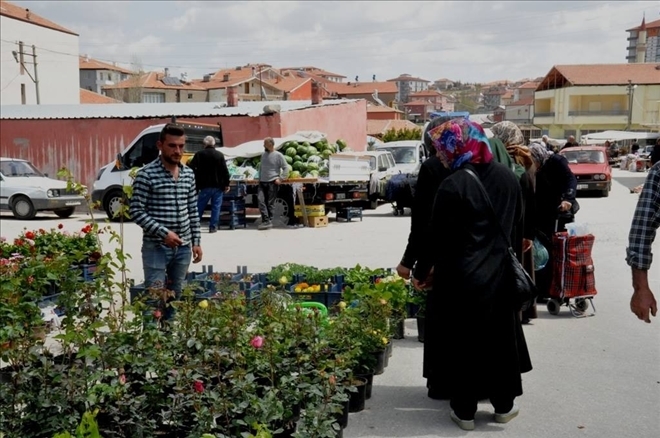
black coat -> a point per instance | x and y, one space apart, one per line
210 169
555 182
431 173
478 343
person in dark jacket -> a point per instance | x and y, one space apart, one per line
556 205
483 352
212 178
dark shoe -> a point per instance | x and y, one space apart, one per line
525 321
213 230
437 394
265 225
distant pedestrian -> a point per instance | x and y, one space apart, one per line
164 205
643 229
570 142
273 169
212 178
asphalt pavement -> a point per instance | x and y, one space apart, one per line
593 377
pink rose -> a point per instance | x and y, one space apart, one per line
257 342
199 386
122 379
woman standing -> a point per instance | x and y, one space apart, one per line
483 352
556 205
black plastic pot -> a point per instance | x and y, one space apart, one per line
289 429
342 417
386 356
358 398
370 382
399 329
421 328
389 349
380 362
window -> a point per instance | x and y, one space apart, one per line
153 97
247 88
190 95
18 168
144 151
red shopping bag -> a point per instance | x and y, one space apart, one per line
572 267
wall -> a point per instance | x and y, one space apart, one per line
384 116
304 92
347 121
131 95
59 81
519 113
85 145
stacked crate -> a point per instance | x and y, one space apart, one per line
233 212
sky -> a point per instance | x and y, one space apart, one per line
467 41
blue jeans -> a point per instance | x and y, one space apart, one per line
215 196
165 267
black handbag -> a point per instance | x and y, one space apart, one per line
516 278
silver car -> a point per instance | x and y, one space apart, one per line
25 191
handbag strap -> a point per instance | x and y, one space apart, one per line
490 204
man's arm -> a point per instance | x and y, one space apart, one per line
420 217
639 257
284 169
138 203
193 214
224 171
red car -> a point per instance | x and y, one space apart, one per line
591 167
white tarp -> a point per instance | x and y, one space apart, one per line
619 136
256 147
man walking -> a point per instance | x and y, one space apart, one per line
164 205
272 170
212 178
643 230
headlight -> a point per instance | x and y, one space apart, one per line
53 193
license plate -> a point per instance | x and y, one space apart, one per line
582 186
71 203
341 196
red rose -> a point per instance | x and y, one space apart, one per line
60 226
199 386
42 231
157 314
29 235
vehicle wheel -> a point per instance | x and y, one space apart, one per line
553 307
605 193
281 211
113 203
22 208
395 212
581 304
65 212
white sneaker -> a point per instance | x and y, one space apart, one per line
463 424
505 418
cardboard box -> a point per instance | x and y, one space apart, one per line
317 221
312 210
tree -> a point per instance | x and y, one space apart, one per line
402 134
133 94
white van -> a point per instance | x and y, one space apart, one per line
408 154
108 191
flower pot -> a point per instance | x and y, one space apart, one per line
288 429
379 368
357 399
412 310
386 356
370 382
389 348
399 329
342 417
421 328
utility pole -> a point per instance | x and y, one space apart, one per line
631 94
19 57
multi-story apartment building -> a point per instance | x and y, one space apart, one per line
644 42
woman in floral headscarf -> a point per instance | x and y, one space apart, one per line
480 348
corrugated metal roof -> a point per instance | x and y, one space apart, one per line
151 110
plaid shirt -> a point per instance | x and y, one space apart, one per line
160 204
645 222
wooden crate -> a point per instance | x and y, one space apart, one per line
317 221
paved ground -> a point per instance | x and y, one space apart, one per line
594 377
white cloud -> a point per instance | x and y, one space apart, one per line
471 41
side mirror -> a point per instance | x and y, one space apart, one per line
46 175
382 169
119 162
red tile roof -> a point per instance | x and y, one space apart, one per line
382 109
417 102
288 84
426 93
379 127
508 94
153 80
530 85
352 88
650 25
87 63
87 97
315 70
22 14
601 74
522 102
407 78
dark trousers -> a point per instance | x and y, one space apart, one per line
267 195
465 405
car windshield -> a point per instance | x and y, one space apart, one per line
403 155
580 157
12 169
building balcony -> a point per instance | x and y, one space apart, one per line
597 113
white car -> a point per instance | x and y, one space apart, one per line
408 154
25 191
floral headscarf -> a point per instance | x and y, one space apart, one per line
540 153
510 134
461 141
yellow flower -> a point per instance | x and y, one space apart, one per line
283 280
342 304
385 340
383 301
203 304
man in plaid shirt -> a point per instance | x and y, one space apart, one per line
164 205
644 226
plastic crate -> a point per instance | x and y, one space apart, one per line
87 271
328 299
236 191
348 213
